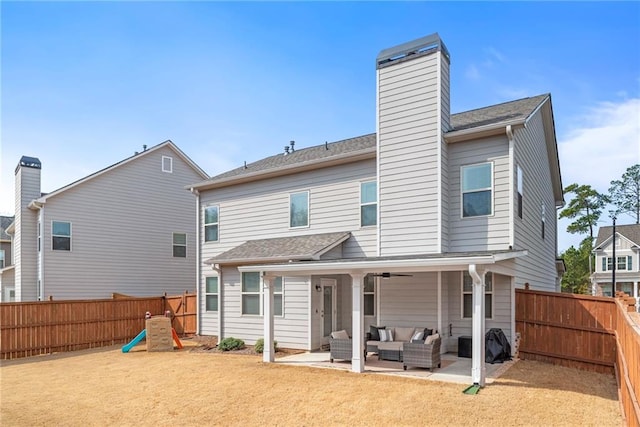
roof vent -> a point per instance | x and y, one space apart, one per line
144 147
286 150
292 144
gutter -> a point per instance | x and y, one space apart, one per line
39 206
198 249
483 131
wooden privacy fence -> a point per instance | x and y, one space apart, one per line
580 331
33 328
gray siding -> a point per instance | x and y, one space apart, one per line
485 232
408 150
27 188
538 268
261 209
122 223
410 301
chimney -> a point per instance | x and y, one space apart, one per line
27 189
413 114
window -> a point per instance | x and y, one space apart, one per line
211 224
368 203
467 296
211 293
277 297
622 263
167 164
179 245
477 188
543 221
299 209
1 258
39 236
520 179
369 295
251 293
61 236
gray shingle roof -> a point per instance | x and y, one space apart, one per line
5 222
281 248
495 114
631 232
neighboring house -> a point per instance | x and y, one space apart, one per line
128 228
431 221
6 264
626 262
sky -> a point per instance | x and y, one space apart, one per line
86 84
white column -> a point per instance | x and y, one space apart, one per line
268 355
478 370
357 334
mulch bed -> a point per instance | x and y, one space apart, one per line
207 344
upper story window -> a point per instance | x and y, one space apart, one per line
520 188
167 164
368 203
39 237
180 245
467 295
61 236
622 263
211 293
369 295
2 258
211 224
477 190
543 219
299 209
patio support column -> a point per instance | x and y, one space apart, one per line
357 333
268 355
478 370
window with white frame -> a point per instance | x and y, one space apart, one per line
622 263
61 236
369 295
179 245
368 203
299 209
211 223
39 237
2 265
211 293
251 293
477 189
167 164
520 189
278 297
467 295
543 221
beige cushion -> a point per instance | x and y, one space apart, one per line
340 335
393 345
404 334
386 335
431 338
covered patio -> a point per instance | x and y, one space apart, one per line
476 264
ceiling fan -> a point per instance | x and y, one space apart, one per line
387 275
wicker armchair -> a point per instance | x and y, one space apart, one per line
421 355
340 349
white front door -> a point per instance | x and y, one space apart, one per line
328 309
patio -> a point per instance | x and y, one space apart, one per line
454 369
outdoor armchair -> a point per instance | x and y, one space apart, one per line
422 355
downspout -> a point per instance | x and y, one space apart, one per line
198 267
218 270
478 370
512 239
40 266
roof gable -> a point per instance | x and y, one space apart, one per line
5 222
630 232
167 144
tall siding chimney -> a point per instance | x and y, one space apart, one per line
412 115
27 188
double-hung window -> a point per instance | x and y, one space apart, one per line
179 245
167 164
299 209
211 293
467 295
277 297
61 236
2 263
520 185
211 224
622 263
252 295
369 295
368 203
477 189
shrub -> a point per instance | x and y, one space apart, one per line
259 347
230 343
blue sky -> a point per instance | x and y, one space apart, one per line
85 84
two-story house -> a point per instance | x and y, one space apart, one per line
128 228
435 219
626 262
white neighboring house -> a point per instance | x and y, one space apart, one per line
128 228
6 258
626 263
432 221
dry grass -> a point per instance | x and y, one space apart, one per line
197 388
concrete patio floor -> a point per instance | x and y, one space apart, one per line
454 369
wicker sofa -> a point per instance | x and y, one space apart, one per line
400 336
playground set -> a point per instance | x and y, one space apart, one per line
158 333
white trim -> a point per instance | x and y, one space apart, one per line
378 242
439 148
170 168
491 188
206 293
295 227
512 232
375 181
70 235
205 223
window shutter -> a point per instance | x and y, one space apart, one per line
629 262
604 263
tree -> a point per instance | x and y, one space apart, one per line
585 207
576 279
625 193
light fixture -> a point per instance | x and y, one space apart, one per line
318 288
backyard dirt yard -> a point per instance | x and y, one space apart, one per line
199 388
